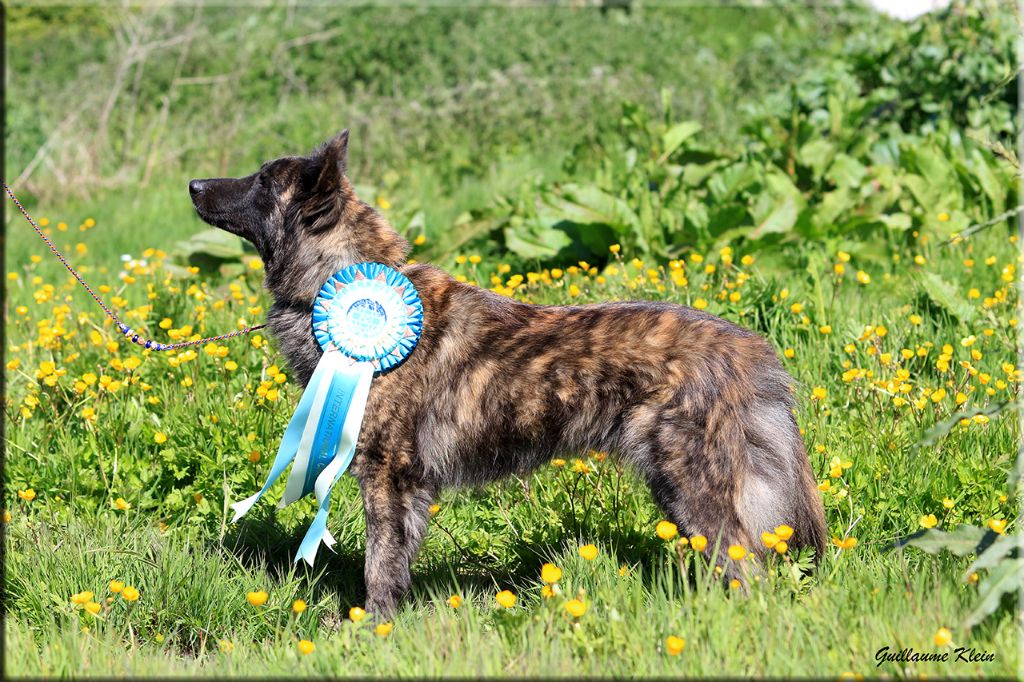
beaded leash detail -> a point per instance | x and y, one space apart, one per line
125 329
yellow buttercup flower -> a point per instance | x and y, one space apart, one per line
129 593
298 606
506 599
997 525
737 552
769 539
666 530
928 521
356 614
943 637
674 645
455 601
257 598
116 586
384 629
576 608
845 543
306 647
588 552
92 607
550 573
784 532
699 542
27 495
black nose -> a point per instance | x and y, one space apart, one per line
195 187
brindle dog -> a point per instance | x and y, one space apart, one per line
700 407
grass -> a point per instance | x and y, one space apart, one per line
193 569
120 464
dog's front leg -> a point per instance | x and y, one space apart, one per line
396 500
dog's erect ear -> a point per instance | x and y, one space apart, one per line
334 157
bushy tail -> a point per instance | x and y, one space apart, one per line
779 487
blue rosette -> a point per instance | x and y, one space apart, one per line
369 312
367 318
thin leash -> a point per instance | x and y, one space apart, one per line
128 332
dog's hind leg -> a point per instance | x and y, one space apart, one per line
396 501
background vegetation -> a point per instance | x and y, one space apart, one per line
844 184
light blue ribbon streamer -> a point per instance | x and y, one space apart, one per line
354 388
289 442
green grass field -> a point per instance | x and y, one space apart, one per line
119 558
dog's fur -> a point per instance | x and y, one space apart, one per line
700 407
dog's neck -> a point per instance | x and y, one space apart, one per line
359 235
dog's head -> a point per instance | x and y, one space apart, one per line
300 206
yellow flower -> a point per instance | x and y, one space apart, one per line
356 614
997 525
928 521
7 516
735 584
254 456
116 586
226 646
383 203
943 217
257 598
614 248
698 542
666 530
420 240
674 645
789 353
506 599
298 606
863 277
92 607
797 308
455 601
384 629
81 597
434 509
938 395
845 543
943 637
130 593
948 503
784 532
819 393
781 547
825 329
306 647
27 495
575 607
550 573
737 552
769 539
588 552
122 505
700 304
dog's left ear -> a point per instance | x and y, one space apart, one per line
334 158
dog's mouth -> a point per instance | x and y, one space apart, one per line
207 197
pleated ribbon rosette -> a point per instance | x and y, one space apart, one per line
367 318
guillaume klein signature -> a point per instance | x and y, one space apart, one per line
961 654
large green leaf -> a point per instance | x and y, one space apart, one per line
212 242
535 241
589 204
777 207
816 155
1006 578
944 294
675 136
961 541
1003 545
